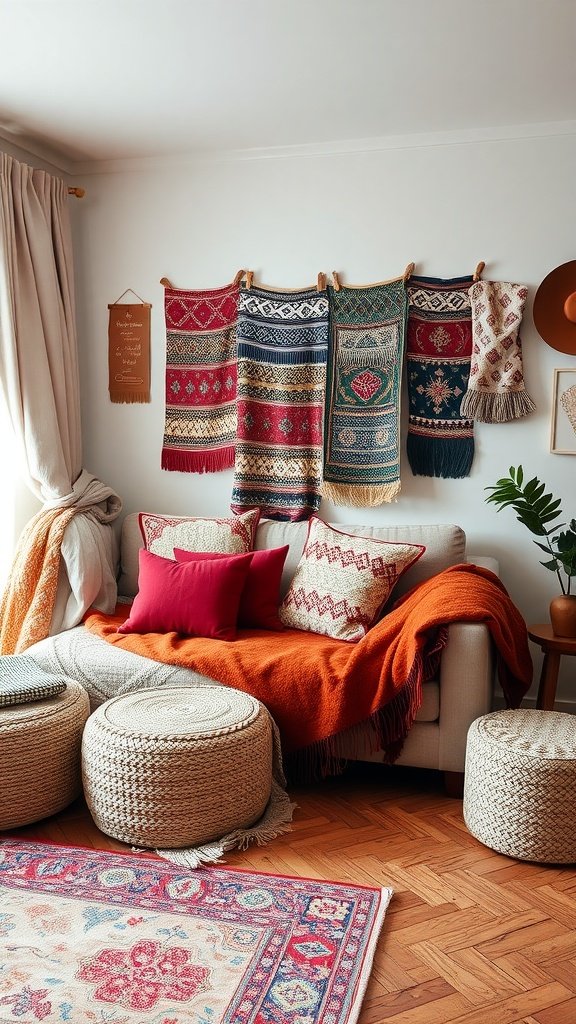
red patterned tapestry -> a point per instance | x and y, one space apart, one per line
200 423
111 938
440 440
282 347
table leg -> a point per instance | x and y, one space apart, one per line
548 681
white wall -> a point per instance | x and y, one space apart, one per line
366 214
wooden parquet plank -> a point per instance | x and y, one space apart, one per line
521 938
399 1002
507 925
560 947
470 984
518 1005
529 974
492 898
556 904
561 1013
443 1009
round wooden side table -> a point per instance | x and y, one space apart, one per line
553 647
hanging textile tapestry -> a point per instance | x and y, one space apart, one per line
200 425
440 441
282 346
361 447
496 392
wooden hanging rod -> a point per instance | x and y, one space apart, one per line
78 192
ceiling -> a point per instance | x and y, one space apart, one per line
102 80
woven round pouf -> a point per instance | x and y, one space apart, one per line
520 784
177 766
40 746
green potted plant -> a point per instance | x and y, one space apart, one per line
539 511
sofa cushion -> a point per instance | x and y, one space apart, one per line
342 581
445 545
233 535
190 598
261 594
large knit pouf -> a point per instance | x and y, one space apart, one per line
40 745
520 784
177 766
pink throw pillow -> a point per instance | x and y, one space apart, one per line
194 599
261 595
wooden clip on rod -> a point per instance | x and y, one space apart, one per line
478 272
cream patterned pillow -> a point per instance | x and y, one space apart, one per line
233 536
342 582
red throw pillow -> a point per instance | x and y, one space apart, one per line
194 599
261 595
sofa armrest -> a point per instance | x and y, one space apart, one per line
466 687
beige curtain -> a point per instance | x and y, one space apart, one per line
39 379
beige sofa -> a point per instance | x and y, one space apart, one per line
463 689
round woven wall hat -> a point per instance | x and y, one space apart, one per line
555 308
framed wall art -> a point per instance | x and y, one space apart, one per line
563 427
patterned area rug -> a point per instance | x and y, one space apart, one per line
361 448
282 347
91 936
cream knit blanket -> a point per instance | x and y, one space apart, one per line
496 391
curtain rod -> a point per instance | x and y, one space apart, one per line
78 192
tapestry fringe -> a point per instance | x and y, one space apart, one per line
130 396
360 495
276 820
198 462
381 357
440 457
488 408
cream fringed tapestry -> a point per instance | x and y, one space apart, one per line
496 391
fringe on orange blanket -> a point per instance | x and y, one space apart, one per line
30 592
331 685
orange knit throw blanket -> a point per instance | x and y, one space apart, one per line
29 595
315 687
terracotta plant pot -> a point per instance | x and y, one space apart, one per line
563 615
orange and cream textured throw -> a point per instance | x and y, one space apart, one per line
332 685
30 592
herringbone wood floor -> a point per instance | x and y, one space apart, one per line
470 937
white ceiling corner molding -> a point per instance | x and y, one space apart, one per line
22 147
344 147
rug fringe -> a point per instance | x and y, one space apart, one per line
488 408
130 396
276 820
198 462
360 495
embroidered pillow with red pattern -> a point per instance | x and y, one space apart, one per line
232 536
342 582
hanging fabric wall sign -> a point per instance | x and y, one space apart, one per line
496 391
282 346
440 440
361 440
200 421
129 351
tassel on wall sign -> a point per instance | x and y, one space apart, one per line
129 350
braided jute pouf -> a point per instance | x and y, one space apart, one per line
177 766
520 784
40 746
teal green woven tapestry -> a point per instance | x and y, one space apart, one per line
361 438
